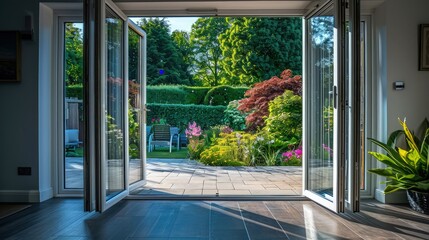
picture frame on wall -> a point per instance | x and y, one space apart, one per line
10 56
424 47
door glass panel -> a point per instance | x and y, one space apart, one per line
73 106
320 111
135 106
115 110
363 105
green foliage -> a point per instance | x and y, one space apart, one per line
133 54
73 54
257 48
173 94
233 117
74 91
195 95
230 149
406 168
180 115
134 134
222 95
164 60
284 121
258 98
164 152
115 138
266 149
207 53
166 94
185 50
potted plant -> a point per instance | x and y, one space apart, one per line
407 167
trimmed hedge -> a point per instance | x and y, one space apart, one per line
196 94
222 95
180 114
171 94
166 94
74 91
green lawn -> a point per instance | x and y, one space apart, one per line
160 152
164 152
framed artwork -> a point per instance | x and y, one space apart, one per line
424 47
10 56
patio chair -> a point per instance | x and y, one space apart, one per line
71 139
162 135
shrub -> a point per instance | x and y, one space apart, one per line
262 93
222 95
233 117
285 118
266 149
180 115
166 94
134 133
230 149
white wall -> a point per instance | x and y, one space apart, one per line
396 33
402 20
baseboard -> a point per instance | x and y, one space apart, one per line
46 194
396 197
27 196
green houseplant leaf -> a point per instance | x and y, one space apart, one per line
406 168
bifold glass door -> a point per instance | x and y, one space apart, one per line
116 121
328 121
136 103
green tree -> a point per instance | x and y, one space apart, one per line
73 54
183 45
255 49
164 61
207 53
133 54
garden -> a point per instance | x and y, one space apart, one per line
235 126
226 90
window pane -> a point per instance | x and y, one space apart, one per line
73 105
320 116
114 105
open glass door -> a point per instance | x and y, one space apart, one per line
136 103
330 145
107 173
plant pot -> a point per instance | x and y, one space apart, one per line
419 201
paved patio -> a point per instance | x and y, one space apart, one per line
182 177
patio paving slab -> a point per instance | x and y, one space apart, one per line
183 177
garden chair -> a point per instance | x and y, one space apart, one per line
162 135
71 139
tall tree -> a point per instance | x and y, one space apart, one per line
183 45
163 58
73 54
255 49
207 53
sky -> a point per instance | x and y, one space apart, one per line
177 23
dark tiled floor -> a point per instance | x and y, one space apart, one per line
138 219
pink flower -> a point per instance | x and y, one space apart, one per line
287 154
193 130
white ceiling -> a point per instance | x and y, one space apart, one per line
232 7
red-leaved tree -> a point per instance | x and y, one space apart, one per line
262 93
